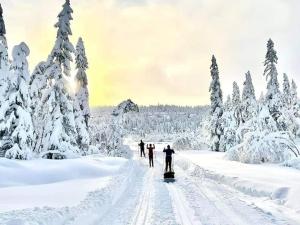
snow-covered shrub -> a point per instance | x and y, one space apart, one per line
293 163
183 143
262 142
260 147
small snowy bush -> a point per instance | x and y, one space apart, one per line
260 141
183 143
260 147
294 163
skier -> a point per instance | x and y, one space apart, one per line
150 153
142 148
169 153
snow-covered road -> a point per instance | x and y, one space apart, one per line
139 196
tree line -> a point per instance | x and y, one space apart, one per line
39 113
252 129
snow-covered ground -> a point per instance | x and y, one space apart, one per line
120 191
40 183
267 183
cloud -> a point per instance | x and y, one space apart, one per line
159 51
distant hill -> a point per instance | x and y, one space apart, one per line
125 107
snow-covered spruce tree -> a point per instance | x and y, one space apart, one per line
83 138
228 104
295 106
4 72
4 62
236 94
56 110
249 108
287 120
59 134
114 141
42 77
38 82
294 99
294 93
286 92
2 28
273 97
249 103
16 127
231 120
82 94
63 48
216 110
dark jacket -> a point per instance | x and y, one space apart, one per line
142 145
169 152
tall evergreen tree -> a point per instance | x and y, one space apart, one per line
2 28
273 93
59 134
38 82
216 108
63 48
82 94
236 95
271 70
57 130
286 91
4 62
294 94
248 90
228 103
236 103
249 104
81 103
16 127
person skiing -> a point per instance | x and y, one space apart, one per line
142 148
169 153
150 153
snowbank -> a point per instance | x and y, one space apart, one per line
42 171
38 183
272 181
294 163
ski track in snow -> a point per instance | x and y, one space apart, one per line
138 196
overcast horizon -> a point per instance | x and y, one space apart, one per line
154 52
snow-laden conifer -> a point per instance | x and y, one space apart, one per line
63 48
82 93
294 93
2 28
249 104
273 93
216 110
236 95
59 134
286 92
16 126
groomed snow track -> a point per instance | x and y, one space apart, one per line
139 196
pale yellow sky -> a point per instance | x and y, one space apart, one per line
158 51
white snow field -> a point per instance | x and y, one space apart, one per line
96 191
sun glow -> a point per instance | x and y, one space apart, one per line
159 51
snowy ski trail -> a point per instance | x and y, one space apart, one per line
144 206
182 208
139 196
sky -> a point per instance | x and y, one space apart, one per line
159 51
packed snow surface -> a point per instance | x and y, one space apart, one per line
39 183
119 191
273 181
